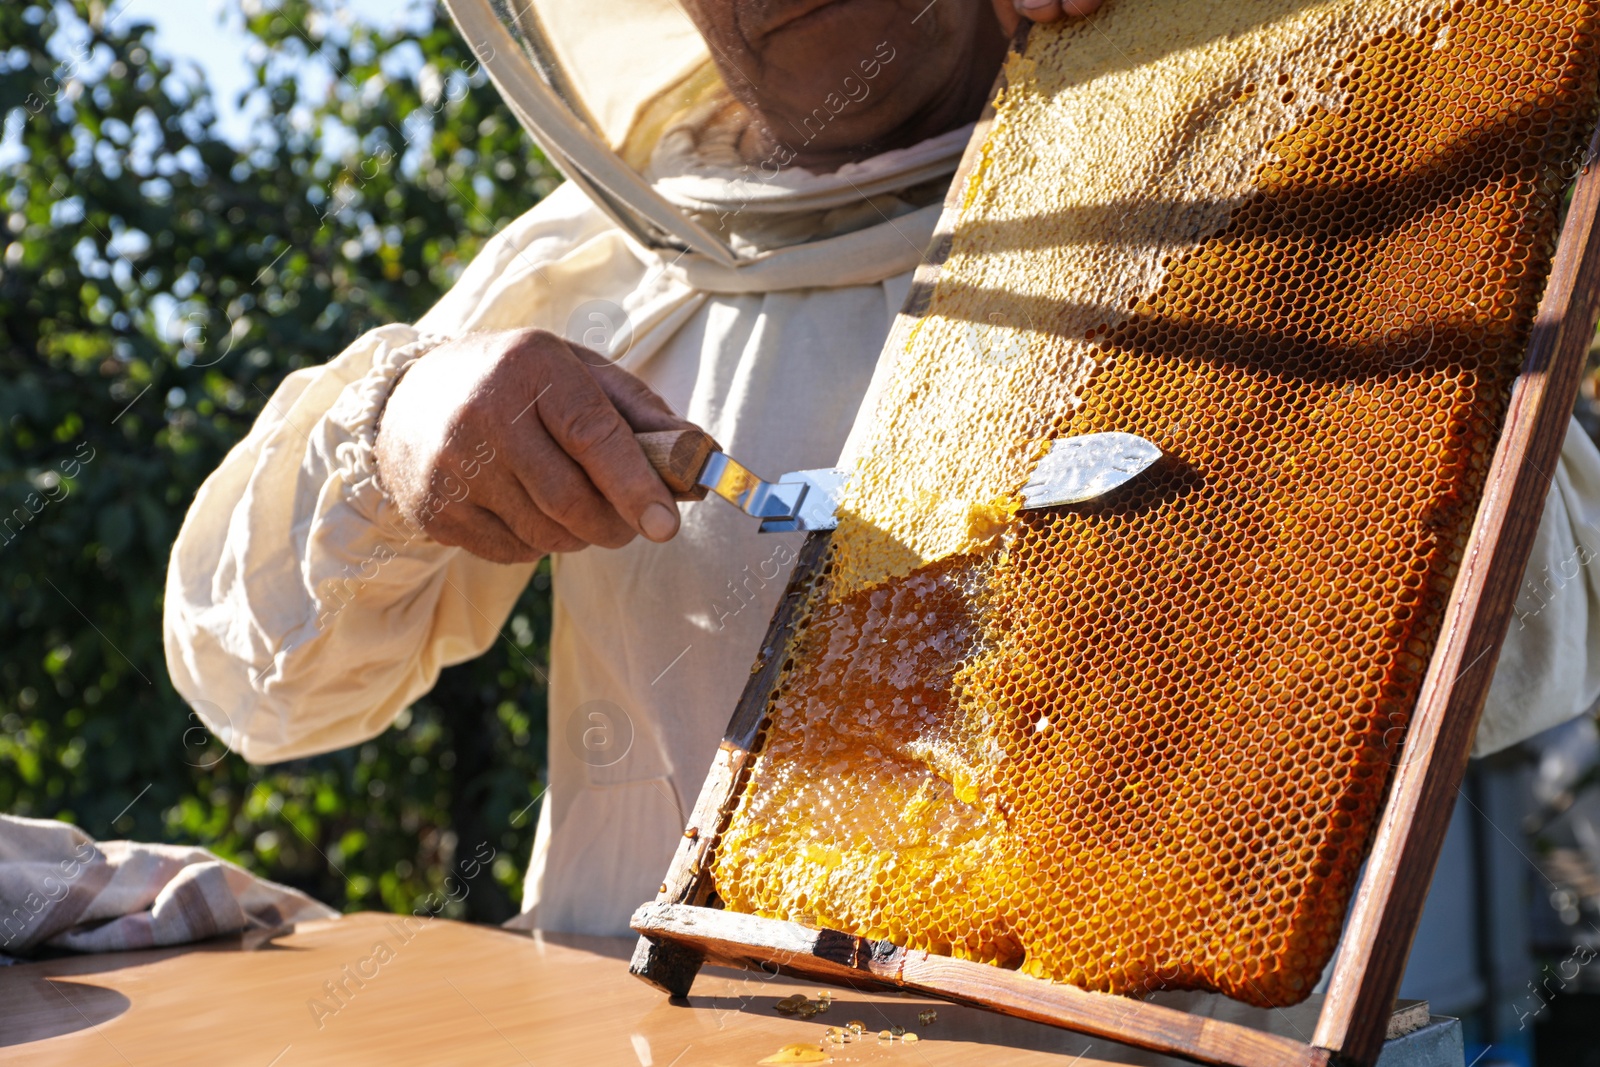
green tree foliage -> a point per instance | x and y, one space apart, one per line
156 284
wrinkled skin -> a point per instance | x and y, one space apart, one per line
833 81
516 443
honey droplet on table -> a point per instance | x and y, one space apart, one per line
797 1054
928 1016
794 1005
857 1026
910 1038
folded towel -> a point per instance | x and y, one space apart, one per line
60 888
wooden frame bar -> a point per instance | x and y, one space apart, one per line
679 932
828 955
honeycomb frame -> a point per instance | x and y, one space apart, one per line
776 651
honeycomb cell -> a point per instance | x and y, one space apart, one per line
1142 743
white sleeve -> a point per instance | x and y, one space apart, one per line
1549 669
302 612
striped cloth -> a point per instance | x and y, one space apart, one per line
60 888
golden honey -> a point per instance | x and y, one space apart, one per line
1141 743
796 1054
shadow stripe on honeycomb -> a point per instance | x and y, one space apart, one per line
1142 743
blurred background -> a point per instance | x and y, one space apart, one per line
198 197
195 199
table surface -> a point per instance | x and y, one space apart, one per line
439 992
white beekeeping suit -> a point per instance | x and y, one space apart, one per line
301 616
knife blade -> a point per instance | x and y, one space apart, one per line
1075 469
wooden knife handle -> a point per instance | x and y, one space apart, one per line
678 457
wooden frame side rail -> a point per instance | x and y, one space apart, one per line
1377 937
660 962
679 932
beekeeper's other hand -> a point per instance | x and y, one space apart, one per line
1042 10
516 443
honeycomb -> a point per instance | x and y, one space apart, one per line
1141 743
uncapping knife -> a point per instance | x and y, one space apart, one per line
1074 470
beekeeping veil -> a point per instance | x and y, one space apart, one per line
597 91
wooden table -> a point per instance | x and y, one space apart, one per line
368 989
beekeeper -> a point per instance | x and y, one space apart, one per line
744 209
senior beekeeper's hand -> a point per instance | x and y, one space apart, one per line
1044 10
516 443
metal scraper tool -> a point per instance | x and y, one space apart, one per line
1074 470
